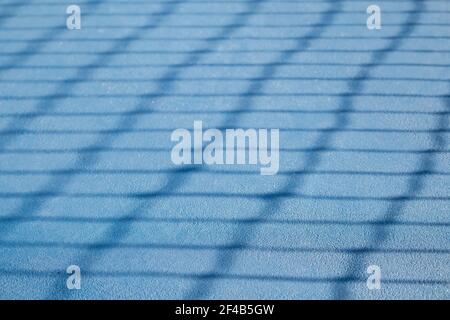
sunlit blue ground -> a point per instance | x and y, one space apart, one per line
86 176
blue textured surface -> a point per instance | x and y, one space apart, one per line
85 170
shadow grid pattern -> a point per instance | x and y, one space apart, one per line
85 170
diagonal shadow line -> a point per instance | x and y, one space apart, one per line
35 47
85 160
120 229
225 260
396 208
123 225
31 205
66 88
414 185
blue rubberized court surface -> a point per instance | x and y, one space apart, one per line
85 171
